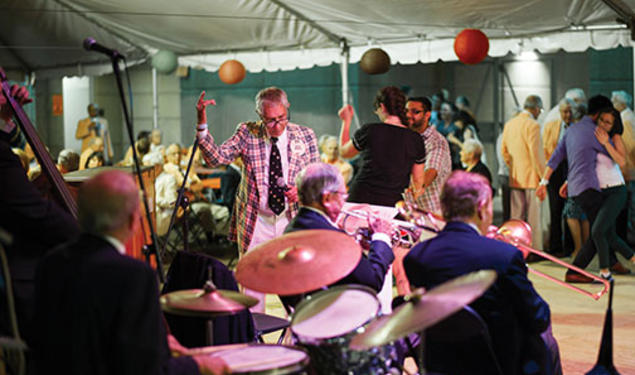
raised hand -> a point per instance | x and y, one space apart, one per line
201 105
601 135
346 113
20 94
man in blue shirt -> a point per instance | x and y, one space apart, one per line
580 147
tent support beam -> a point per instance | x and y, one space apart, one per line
625 12
93 20
344 72
15 55
334 38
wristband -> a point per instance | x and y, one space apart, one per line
543 182
201 127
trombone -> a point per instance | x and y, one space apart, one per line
514 232
404 234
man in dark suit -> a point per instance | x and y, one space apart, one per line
511 307
322 193
35 223
97 310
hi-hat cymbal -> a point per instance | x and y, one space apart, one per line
299 262
423 310
208 302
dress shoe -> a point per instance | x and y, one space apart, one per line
574 277
619 269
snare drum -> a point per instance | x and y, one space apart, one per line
263 359
325 322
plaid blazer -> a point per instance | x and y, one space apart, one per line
249 142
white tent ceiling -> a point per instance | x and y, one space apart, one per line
46 35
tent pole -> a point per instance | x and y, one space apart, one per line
155 100
344 71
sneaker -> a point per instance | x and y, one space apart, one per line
619 269
608 277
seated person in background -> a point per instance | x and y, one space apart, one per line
96 159
24 159
156 156
512 309
94 126
97 310
214 218
329 146
322 193
95 145
68 161
471 153
143 147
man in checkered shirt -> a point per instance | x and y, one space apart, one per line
438 160
253 221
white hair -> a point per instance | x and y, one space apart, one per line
271 95
533 101
623 97
473 146
576 94
317 179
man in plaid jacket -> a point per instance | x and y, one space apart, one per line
253 222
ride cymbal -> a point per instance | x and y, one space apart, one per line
207 302
299 262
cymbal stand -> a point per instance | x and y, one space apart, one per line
181 201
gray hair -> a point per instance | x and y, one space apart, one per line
623 97
106 202
462 195
271 95
68 159
532 101
317 179
575 94
473 145
578 111
566 102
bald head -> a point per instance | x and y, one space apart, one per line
108 203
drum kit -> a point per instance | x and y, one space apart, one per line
339 330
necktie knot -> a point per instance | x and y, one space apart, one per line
274 140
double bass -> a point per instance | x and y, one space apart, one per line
58 186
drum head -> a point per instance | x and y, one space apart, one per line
264 359
334 312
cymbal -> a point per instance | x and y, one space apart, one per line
208 302
299 262
423 310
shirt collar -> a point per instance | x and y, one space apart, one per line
529 113
121 249
474 227
321 213
282 139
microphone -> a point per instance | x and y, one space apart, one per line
90 44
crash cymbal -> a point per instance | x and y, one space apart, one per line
299 262
423 310
207 302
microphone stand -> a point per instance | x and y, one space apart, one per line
151 248
181 201
605 364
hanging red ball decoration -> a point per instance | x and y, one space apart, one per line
375 61
471 46
232 72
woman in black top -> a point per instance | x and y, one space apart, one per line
391 153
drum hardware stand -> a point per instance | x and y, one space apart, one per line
605 364
182 201
208 288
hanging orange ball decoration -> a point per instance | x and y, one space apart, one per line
375 61
471 46
232 72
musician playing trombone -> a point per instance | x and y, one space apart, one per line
516 316
322 193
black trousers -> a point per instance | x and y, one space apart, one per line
590 201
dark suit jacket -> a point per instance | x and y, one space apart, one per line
97 312
482 169
36 225
511 307
370 270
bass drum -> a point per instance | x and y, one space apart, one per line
324 324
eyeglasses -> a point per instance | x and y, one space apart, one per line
343 194
271 122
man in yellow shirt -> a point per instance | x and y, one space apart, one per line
94 126
522 152
622 101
